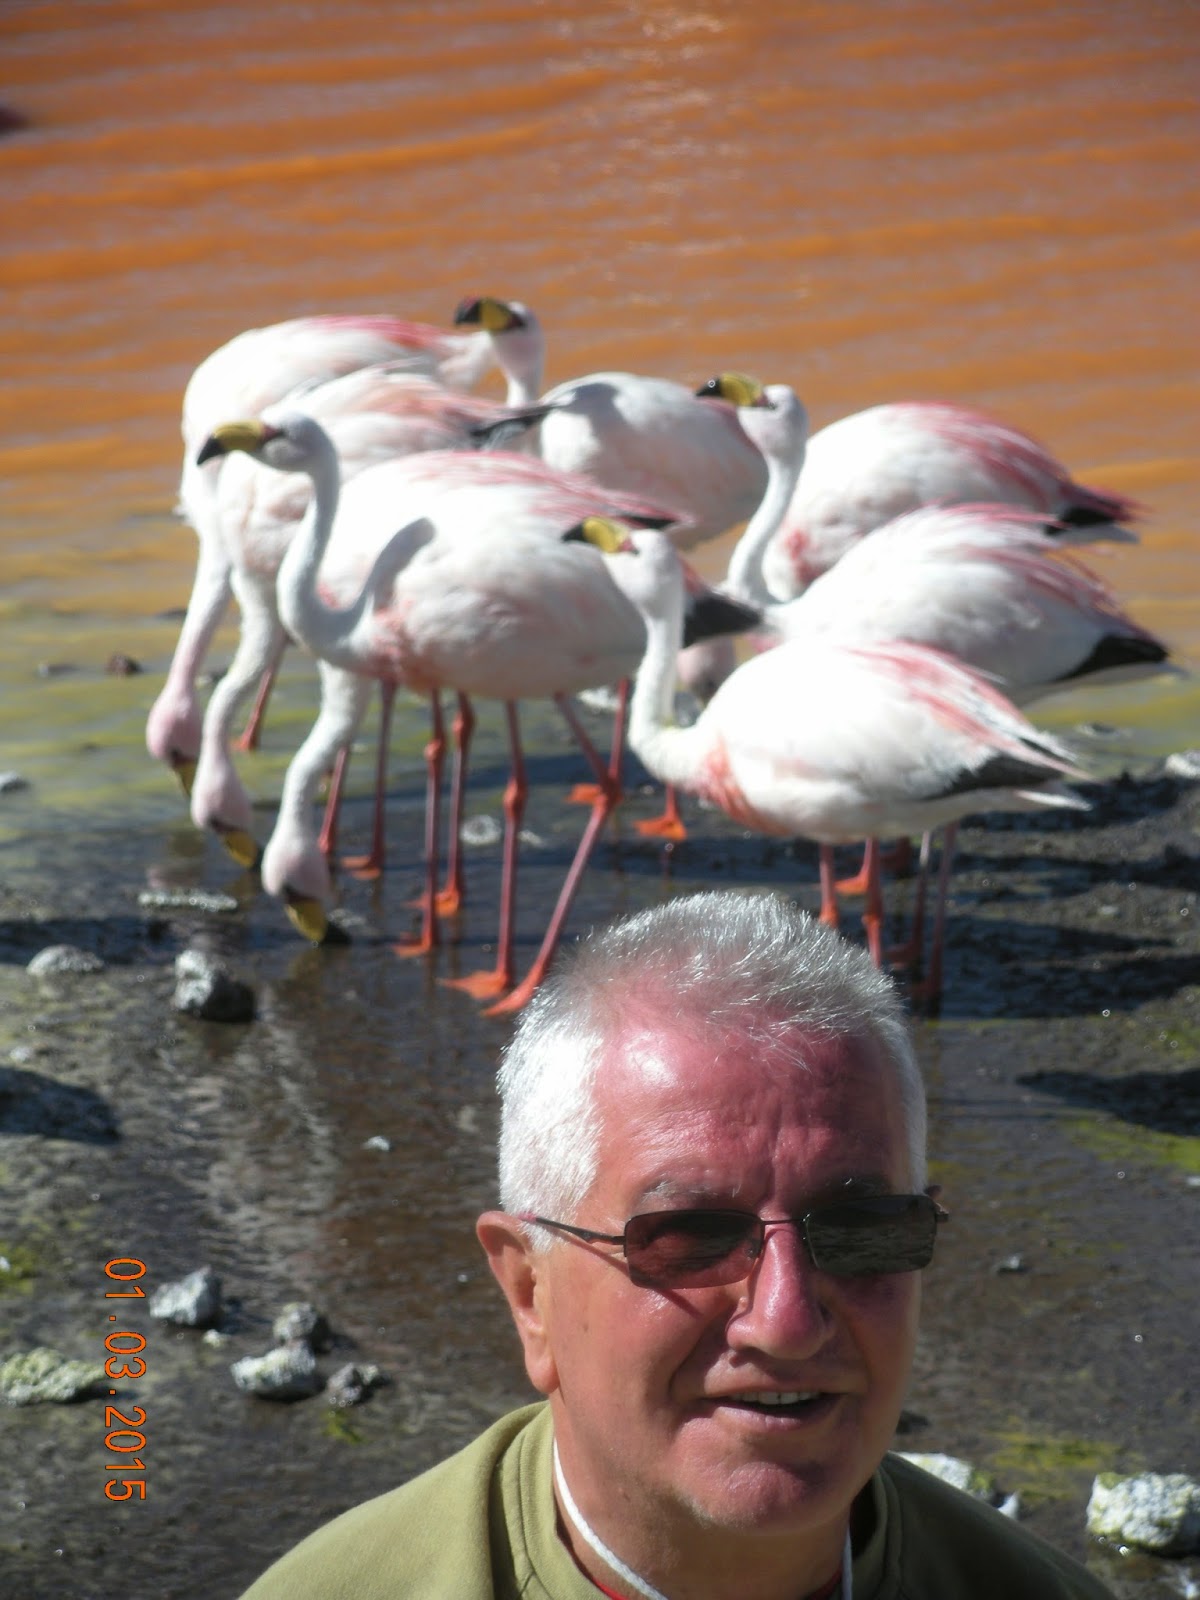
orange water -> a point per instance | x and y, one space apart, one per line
870 200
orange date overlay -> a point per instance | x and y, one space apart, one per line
123 1435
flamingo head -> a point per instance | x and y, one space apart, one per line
286 440
736 388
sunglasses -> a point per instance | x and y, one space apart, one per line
701 1247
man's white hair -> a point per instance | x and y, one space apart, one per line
717 962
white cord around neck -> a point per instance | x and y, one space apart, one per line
627 1575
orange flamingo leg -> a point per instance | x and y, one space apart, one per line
608 782
593 794
828 916
897 860
450 895
371 865
669 825
489 985
435 752
253 728
872 916
333 804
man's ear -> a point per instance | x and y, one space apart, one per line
520 1272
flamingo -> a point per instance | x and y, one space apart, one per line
643 435
476 592
374 415
835 742
252 370
868 468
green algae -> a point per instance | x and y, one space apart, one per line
335 1424
1043 1467
1123 1143
18 1268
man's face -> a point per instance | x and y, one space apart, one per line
662 1400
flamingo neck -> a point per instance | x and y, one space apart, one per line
665 750
520 356
325 630
745 580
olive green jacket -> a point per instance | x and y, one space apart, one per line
483 1526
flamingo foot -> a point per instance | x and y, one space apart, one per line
585 794
855 885
416 944
664 827
448 901
481 985
367 868
516 998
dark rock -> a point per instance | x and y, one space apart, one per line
203 988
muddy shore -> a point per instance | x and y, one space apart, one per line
1061 1314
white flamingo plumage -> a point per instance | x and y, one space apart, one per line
469 588
254 369
642 435
835 742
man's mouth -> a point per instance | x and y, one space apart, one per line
775 1399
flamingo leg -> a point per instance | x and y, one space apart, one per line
608 786
435 753
897 860
908 954
829 887
873 910
590 794
327 842
929 991
371 865
488 985
669 824
450 896
250 733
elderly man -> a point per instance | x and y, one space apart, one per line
712 1166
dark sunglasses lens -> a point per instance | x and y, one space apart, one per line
888 1233
689 1249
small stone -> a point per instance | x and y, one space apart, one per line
287 1373
122 666
961 1474
57 959
478 832
378 1141
1011 1264
12 783
185 900
203 988
44 1375
192 1302
301 1322
1183 764
350 1385
215 1338
1154 1511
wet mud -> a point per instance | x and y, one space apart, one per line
1059 1329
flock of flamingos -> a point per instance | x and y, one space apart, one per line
901 575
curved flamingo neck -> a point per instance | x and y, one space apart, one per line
667 751
326 630
745 580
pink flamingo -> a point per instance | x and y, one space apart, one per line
474 591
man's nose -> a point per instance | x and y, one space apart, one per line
783 1308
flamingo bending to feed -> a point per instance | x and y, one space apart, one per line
643 435
836 742
253 370
875 465
476 592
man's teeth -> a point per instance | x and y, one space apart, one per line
778 1397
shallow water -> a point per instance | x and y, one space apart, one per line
870 201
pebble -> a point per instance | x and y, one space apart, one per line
203 988
56 959
12 783
185 900
378 1141
1183 764
44 1375
477 832
287 1373
1155 1511
192 1302
350 1385
953 1470
302 1322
